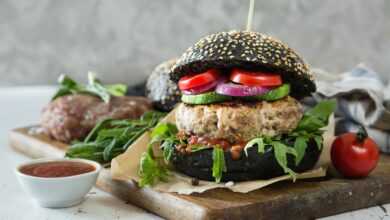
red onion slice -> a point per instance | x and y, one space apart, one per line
204 88
238 90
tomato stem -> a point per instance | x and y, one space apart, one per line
361 134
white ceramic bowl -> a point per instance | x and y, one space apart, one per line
58 192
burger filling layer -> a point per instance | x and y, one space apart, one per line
236 84
238 121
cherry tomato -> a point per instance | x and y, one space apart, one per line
197 80
354 154
251 78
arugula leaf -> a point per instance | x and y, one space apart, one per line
260 146
111 133
150 170
219 165
94 87
116 89
91 151
99 126
152 115
300 146
323 110
162 131
317 117
85 151
318 140
281 151
196 148
168 147
135 136
108 150
164 134
109 137
257 141
67 86
65 80
310 124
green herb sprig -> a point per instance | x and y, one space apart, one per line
109 137
152 169
219 165
94 87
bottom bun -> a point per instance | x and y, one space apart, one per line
255 166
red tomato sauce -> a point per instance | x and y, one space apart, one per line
209 142
235 149
57 169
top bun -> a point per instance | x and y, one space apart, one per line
247 50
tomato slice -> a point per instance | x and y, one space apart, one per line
196 80
251 78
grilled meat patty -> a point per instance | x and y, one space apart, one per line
239 121
72 117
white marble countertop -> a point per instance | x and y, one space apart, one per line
20 106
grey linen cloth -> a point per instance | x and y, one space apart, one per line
362 99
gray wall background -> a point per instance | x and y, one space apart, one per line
123 40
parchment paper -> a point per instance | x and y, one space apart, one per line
125 168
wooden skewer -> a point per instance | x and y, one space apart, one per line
250 15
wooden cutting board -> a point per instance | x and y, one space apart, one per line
305 199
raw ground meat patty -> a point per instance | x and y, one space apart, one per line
72 117
239 121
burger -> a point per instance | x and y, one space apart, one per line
161 89
240 117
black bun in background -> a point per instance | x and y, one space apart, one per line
255 166
160 88
136 90
247 50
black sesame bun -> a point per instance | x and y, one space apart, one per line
252 167
247 50
160 88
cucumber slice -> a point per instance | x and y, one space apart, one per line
204 98
275 94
